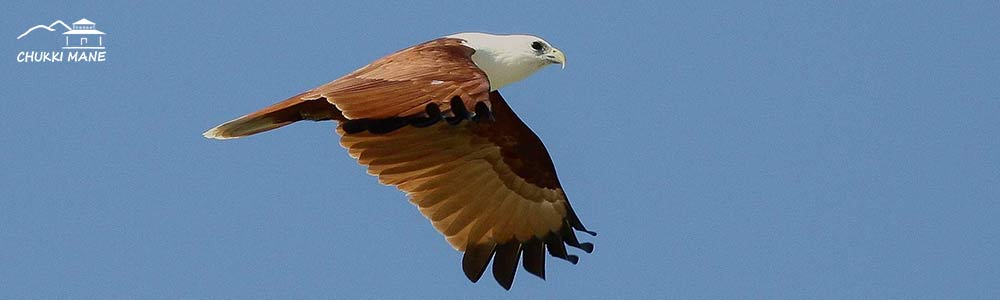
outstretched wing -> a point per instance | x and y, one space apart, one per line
489 187
403 83
398 85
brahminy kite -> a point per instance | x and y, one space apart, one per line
487 184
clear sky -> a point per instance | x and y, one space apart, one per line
722 150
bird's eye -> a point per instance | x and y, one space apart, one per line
537 46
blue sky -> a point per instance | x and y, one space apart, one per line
722 150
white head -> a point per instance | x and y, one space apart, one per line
509 58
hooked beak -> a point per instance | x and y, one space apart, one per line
556 56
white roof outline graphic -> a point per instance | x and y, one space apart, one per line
83 22
83 31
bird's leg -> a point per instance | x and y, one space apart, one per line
458 109
483 113
433 116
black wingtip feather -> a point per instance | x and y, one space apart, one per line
573 259
475 260
556 247
505 260
534 257
570 238
574 221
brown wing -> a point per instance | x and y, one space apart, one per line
403 83
398 85
490 188
286 112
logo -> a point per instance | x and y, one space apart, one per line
80 43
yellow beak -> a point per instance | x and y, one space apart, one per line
558 57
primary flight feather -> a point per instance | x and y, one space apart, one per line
429 120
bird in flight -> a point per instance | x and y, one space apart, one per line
430 121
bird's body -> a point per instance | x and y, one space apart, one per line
487 184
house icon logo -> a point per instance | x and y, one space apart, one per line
81 42
84 35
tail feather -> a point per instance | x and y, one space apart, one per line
280 114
